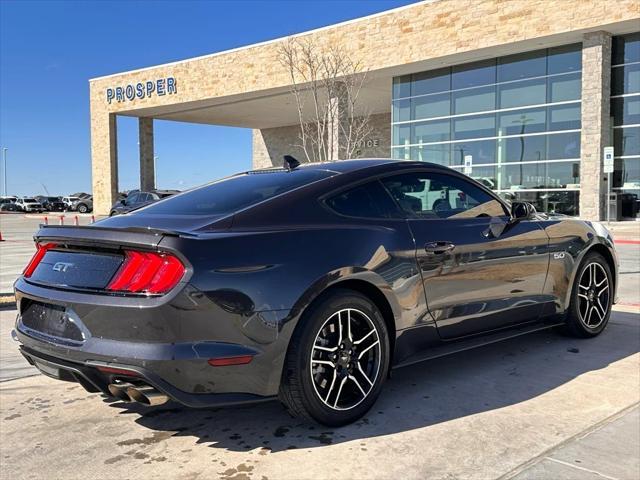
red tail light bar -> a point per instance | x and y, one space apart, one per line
147 272
41 250
141 272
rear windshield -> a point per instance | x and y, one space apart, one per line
235 193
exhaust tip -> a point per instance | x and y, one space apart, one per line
119 390
147 395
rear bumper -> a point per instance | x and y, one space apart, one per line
167 341
93 380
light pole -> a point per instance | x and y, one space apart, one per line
4 159
155 173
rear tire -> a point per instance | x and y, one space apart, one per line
82 208
591 298
337 361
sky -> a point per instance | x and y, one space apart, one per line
50 49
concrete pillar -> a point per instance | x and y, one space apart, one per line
596 122
104 162
147 167
337 115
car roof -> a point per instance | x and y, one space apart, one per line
345 166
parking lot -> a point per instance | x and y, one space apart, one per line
539 406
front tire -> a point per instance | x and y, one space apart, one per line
337 361
591 298
82 208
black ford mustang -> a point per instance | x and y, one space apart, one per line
307 283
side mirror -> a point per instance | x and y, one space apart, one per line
123 202
522 211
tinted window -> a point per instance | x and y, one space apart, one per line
435 195
131 199
235 193
368 201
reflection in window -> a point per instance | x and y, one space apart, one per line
563 145
474 127
625 79
519 94
564 117
626 110
473 74
482 151
563 59
565 203
627 173
626 141
524 149
522 65
434 131
523 121
526 106
431 82
565 88
431 106
474 100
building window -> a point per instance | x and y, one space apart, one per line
625 110
518 117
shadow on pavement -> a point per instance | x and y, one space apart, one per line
433 392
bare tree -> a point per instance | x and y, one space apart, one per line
326 84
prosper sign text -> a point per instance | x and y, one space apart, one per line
128 93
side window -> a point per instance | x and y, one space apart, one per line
132 199
368 201
437 195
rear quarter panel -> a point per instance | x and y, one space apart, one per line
569 241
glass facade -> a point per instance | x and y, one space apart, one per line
625 110
516 119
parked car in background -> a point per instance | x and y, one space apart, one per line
29 205
69 200
8 204
51 204
137 199
81 205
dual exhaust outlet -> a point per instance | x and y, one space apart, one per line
144 394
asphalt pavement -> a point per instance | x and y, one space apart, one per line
541 406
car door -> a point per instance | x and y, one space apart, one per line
480 270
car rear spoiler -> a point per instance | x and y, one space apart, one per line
90 234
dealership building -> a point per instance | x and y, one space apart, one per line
523 95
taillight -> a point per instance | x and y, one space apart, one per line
41 250
147 272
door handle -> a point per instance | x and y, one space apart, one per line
438 248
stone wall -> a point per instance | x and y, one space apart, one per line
596 122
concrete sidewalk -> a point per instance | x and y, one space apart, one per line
519 407
611 450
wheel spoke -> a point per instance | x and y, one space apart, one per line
600 311
325 349
339 328
602 290
333 382
582 295
583 287
367 349
349 326
588 319
344 380
353 379
364 375
323 362
358 342
593 274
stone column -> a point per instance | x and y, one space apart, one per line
104 162
596 122
145 141
337 115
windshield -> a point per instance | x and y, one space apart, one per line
235 193
29 200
